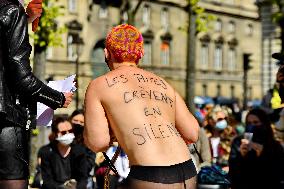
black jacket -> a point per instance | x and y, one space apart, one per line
56 169
252 172
19 88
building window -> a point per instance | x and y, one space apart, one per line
249 30
72 5
124 17
49 52
232 91
147 58
232 27
232 59
204 56
165 53
218 58
146 16
71 55
103 12
204 89
165 19
249 92
218 25
218 90
99 66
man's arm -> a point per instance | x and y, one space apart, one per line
20 77
96 132
186 123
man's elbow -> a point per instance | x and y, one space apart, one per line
195 131
97 145
101 148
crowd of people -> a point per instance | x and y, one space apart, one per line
67 161
250 151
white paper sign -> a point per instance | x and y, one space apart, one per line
45 113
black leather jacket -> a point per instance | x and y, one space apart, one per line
20 90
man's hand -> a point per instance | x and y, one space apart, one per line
68 99
70 184
258 148
244 147
34 10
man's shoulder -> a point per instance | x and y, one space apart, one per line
99 83
99 80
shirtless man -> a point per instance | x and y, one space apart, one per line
144 113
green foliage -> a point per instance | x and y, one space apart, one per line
275 1
203 19
203 23
278 15
35 132
48 32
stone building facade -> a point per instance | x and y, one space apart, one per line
219 64
219 51
270 43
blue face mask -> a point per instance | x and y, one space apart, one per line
250 128
221 125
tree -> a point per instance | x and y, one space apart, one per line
278 17
48 34
126 6
197 22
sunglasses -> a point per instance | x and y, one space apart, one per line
220 119
66 132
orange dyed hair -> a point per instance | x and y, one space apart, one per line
125 42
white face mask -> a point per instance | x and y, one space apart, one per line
66 139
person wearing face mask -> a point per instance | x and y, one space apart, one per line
78 120
256 161
63 163
220 135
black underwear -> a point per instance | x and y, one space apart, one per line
177 173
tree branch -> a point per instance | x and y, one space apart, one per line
137 7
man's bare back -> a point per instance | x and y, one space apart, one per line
143 113
140 108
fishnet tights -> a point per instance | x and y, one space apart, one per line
139 184
13 184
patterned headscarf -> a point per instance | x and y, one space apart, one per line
125 42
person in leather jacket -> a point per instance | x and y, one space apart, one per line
20 91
